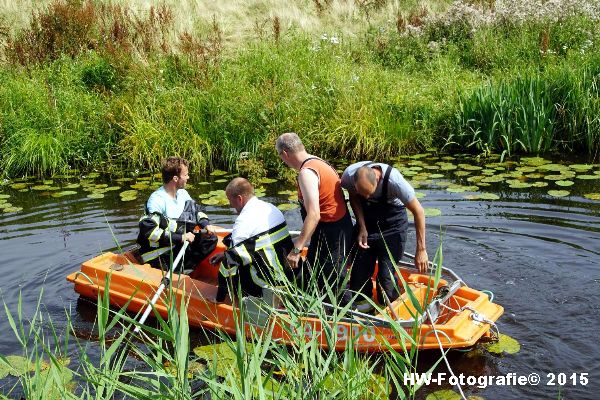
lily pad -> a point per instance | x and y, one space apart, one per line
212 201
267 180
203 183
448 167
559 193
221 355
432 212
505 344
535 161
128 193
445 394
462 173
194 368
221 181
588 177
482 196
581 167
123 180
492 179
519 185
18 186
489 196
218 172
4 196
564 183
140 186
436 176
64 193
560 177
457 189
72 186
128 198
96 196
40 187
287 206
535 175
539 184
420 195
553 167
592 196
18 365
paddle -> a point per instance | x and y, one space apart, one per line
166 281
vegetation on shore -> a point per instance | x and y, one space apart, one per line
89 84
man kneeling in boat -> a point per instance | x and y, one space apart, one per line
170 220
257 247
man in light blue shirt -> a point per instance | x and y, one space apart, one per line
171 216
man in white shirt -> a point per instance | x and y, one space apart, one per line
258 244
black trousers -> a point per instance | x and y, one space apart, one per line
387 251
326 258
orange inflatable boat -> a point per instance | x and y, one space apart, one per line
452 315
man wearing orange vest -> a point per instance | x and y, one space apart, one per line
326 220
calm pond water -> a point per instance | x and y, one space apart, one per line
538 253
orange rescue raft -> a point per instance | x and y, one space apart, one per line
462 315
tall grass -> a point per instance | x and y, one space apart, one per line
103 84
536 113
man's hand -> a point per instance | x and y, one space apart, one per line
187 237
293 259
217 258
421 260
362 238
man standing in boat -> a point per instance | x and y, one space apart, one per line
379 196
258 244
170 218
326 220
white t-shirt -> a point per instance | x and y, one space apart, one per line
256 217
161 202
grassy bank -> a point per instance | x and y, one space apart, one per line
104 86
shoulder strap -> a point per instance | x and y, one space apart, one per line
384 185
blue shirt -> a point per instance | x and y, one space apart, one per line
400 192
161 202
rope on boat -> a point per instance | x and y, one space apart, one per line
489 293
444 355
477 317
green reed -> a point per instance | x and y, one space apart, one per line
160 363
535 113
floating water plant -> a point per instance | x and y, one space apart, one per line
558 193
287 206
505 344
432 212
218 172
18 186
64 193
564 183
592 196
